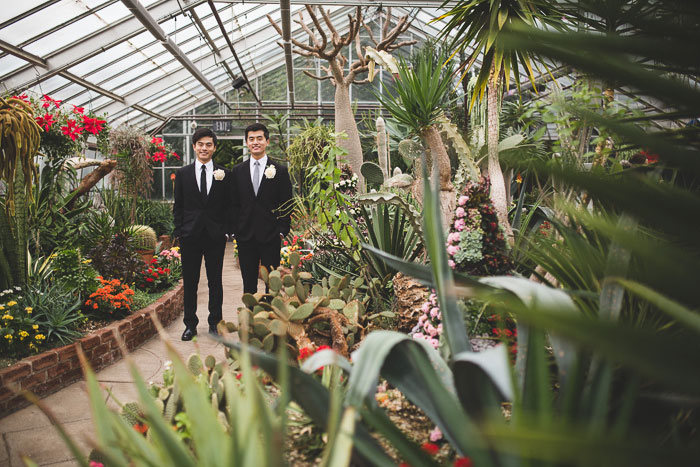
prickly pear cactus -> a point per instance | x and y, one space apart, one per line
293 311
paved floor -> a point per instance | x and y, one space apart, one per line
28 432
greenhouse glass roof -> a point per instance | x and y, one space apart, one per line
143 61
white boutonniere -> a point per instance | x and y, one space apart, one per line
270 172
219 174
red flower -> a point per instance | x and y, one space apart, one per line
154 261
175 155
78 110
141 428
430 448
48 101
323 347
93 125
172 176
22 97
463 462
46 121
149 279
156 140
304 353
72 130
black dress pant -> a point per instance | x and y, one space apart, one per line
192 250
252 254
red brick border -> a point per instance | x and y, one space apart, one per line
57 368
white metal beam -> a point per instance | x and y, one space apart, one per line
90 46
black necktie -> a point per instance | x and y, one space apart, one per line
203 182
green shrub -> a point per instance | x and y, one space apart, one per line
72 272
56 312
115 258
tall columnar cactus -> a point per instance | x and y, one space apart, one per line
144 237
383 148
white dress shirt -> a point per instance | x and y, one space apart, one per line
198 173
263 164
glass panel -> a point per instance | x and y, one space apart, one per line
305 88
157 186
363 92
176 127
274 85
177 143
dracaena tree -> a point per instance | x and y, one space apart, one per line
476 25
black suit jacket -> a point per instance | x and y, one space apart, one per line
192 214
265 216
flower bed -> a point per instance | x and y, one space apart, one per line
54 369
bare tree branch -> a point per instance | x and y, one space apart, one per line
316 77
314 18
274 25
400 27
391 47
308 31
301 52
387 23
362 81
371 35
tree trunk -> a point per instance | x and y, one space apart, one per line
92 179
438 153
498 186
345 122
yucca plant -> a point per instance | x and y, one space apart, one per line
420 94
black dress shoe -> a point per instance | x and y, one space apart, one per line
213 331
188 334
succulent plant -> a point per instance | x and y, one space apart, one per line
143 237
372 173
293 310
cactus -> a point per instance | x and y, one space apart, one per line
383 148
290 309
194 363
131 412
372 173
410 151
143 237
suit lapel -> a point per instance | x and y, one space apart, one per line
249 178
193 184
264 182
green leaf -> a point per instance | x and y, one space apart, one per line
303 312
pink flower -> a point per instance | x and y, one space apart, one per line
439 328
434 342
96 464
432 297
452 250
435 435
453 237
418 335
451 263
422 319
463 200
434 312
460 212
425 308
459 225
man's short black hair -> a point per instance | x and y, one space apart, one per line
202 133
257 127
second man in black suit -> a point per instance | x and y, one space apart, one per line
262 193
202 212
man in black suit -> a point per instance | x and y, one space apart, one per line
202 212
262 193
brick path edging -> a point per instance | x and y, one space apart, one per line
54 369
